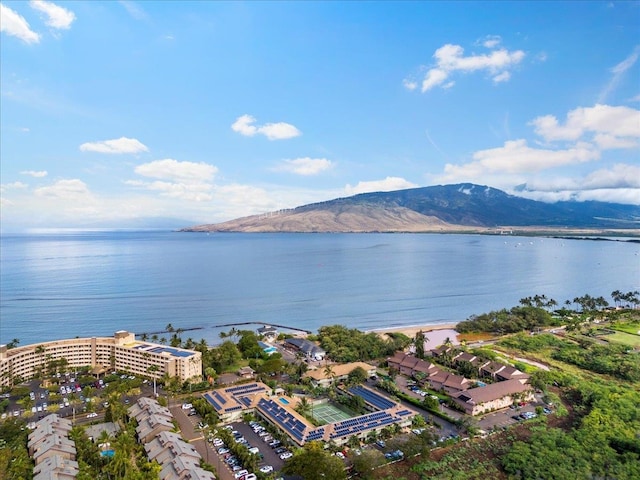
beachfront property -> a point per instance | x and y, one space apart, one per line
267 333
306 347
323 377
231 402
122 352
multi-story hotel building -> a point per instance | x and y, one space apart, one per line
122 352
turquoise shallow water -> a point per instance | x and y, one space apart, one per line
93 283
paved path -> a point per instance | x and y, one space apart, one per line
190 432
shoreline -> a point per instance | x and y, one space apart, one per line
411 330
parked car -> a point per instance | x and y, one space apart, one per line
266 469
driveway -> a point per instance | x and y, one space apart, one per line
196 438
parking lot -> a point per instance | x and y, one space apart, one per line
269 456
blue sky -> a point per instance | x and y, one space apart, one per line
114 112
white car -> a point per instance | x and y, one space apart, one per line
266 469
241 473
286 455
186 406
92 415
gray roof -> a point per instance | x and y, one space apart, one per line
168 445
56 467
305 346
153 423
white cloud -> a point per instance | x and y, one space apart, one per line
600 119
14 24
119 145
34 173
57 17
134 10
608 142
587 133
450 59
72 189
273 131
169 169
305 166
183 180
491 41
618 72
13 186
516 156
388 184
409 84
620 183
502 77
434 77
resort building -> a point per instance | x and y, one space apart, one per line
231 402
121 352
268 332
411 365
306 347
495 396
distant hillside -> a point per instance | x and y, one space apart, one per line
461 207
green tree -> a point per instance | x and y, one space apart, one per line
356 376
312 462
419 343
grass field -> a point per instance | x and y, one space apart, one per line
632 328
327 413
624 338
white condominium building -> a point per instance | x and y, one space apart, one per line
121 352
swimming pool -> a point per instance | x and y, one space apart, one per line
284 401
107 453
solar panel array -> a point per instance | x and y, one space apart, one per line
357 425
215 404
372 398
282 417
245 389
171 351
239 394
316 434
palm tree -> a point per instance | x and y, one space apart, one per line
153 369
617 296
304 407
329 373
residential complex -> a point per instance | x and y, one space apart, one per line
510 383
230 403
121 352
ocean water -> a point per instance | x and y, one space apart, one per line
63 285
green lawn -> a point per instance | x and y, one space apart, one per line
632 328
624 338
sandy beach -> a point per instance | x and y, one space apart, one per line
411 330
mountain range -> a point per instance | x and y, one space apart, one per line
442 208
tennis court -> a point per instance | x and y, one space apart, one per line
327 413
